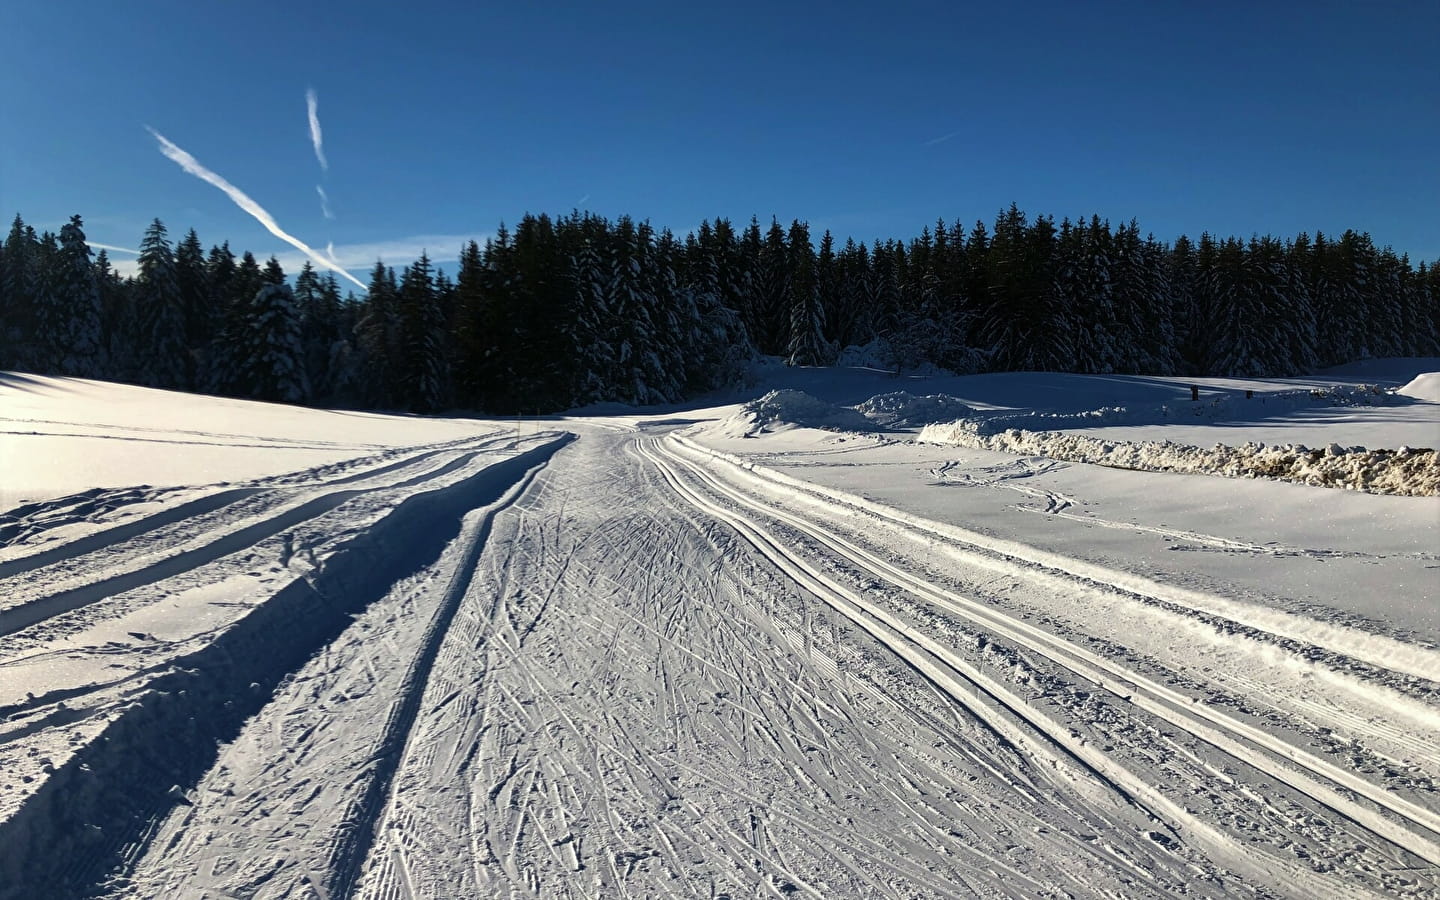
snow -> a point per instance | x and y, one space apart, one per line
784 408
1425 386
770 644
63 435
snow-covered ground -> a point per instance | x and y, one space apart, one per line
251 650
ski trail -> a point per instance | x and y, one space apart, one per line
1318 778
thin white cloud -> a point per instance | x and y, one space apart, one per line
312 107
581 201
941 139
192 165
324 202
443 250
96 245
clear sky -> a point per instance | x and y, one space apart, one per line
441 119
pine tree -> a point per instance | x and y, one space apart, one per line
272 273
806 345
421 371
68 322
17 296
376 336
159 339
271 359
194 284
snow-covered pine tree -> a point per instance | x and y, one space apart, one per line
271 359
590 324
68 315
806 345
159 337
771 310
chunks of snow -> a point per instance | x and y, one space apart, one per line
1404 471
902 408
794 408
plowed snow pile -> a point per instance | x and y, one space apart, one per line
1423 387
779 409
903 409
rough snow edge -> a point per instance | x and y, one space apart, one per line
1404 472
71 831
1378 650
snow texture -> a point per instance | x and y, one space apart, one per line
1425 386
902 409
782 408
255 650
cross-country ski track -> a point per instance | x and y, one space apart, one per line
598 661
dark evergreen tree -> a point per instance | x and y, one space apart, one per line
159 338
17 296
270 362
68 319
421 366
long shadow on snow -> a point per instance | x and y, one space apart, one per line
93 815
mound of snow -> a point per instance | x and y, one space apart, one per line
794 408
1425 386
902 408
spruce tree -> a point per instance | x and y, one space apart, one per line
17 296
271 359
68 323
159 339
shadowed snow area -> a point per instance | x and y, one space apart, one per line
768 644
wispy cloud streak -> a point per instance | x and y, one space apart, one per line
192 165
112 248
941 139
312 108
324 202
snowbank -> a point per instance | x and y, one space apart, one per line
1423 387
795 408
902 408
1404 471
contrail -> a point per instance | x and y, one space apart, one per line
312 103
940 140
324 202
192 165
112 248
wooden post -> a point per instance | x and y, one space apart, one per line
1194 392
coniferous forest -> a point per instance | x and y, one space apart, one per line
559 313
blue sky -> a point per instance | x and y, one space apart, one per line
441 119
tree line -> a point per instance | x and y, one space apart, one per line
568 311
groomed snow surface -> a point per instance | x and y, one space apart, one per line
846 634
